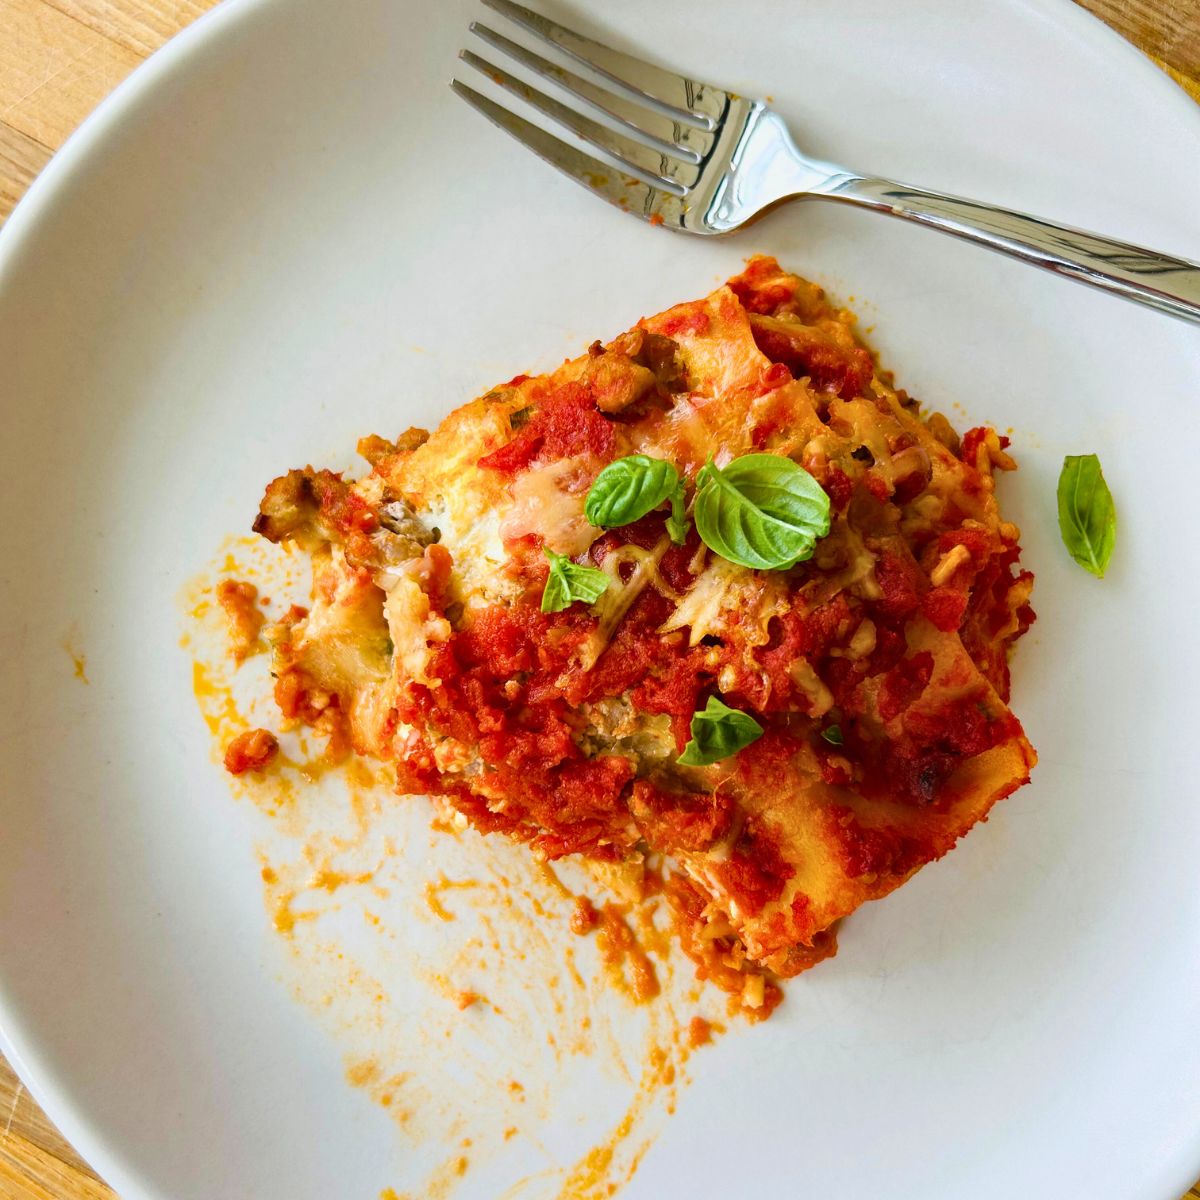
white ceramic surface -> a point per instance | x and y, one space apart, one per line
283 232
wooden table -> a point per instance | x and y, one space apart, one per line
58 59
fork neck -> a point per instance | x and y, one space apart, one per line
765 167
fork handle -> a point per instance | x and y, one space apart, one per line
1159 281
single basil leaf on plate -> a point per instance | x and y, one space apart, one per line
1087 516
626 490
833 735
717 732
568 582
762 511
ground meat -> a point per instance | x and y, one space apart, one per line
250 751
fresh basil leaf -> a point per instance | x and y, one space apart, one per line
833 735
1087 516
762 511
629 488
568 582
677 522
717 732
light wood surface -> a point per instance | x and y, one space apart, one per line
58 60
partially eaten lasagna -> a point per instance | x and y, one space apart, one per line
714 607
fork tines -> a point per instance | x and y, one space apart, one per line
656 127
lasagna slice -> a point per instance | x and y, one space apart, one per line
876 669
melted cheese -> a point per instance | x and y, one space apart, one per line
717 342
414 628
845 545
548 500
618 598
805 677
723 588
451 493
954 558
695 428
343 643
864 426
475 543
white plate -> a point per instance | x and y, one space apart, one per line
283 232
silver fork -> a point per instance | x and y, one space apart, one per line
691 156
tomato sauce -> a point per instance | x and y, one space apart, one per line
566 423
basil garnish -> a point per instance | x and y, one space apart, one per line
761 511
833 735
1087 516
718 732
626 490
568 582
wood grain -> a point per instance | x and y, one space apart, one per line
58 59
139 27
30 1173
36 1161
53 70
1167 29
21 158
